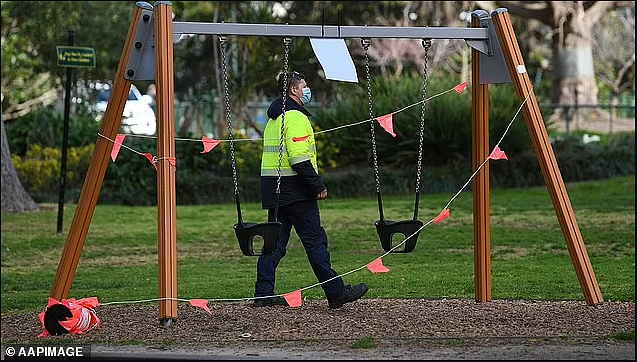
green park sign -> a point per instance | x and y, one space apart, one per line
76 57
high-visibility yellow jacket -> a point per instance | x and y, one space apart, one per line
295 159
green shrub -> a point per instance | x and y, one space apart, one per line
447 124
46 128
40 171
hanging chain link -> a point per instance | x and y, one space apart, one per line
366 43
287 42
222 44
426 43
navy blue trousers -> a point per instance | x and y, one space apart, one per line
304 216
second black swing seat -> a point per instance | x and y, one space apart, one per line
386 230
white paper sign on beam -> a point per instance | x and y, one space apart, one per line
335 59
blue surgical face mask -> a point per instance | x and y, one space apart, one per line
307 95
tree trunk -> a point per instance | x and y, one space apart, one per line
14 196
575 83
573 54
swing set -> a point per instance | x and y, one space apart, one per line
148 55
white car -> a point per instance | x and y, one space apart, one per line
138 116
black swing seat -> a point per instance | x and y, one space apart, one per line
387 228
247 231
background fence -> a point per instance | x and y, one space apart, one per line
602 118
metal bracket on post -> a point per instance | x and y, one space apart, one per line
482 45
493 68
141 64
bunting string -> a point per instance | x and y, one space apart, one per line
212 143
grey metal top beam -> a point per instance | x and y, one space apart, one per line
330 31
413 32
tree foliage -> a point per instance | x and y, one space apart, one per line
31 79
614 55
573 26
32 30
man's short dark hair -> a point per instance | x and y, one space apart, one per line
293 79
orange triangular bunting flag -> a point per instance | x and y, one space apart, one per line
377 266
201 303
498 154
151 158
294 299
172 161
386 122
117 145
460 87
300 139
208 144
443 215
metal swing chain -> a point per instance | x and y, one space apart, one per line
426 43
366 43
287 42
222 42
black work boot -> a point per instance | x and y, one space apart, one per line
265 302
351 293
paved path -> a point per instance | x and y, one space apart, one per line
620 351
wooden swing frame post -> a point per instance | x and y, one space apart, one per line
166 171
546 157
148 55
481 189
97 169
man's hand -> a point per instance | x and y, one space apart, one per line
322 195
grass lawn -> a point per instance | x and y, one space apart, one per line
529 258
